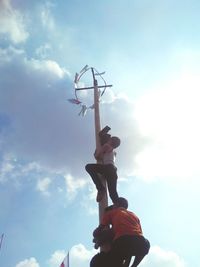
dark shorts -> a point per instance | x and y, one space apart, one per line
131 245
100 260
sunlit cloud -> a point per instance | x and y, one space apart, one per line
57 258
12 23
80 255
47 18
43 51
45 128
73 185
44 144
169 117
154 129
32 262
12 170
89 201
43 185
6 168
160 257
48 65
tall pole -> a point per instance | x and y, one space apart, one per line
104 202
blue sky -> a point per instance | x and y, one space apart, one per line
150 51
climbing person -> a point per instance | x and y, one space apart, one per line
106 155
102 237
128 238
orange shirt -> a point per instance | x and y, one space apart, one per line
124 222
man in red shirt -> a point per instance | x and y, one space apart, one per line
128 238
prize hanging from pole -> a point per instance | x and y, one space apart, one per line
77 88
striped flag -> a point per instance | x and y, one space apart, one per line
65 262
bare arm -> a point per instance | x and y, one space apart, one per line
98 154
99 229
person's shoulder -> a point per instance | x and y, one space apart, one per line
116 210
109 212
133 214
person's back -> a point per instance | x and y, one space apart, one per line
124 222
109 157
128 237
106 152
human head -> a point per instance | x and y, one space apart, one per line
122 203
115 141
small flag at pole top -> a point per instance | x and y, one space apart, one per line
74 101
65 262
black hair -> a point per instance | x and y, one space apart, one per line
122 202
115 141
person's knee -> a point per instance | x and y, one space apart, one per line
88 167
144 250
147 247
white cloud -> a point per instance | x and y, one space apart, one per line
40 98
119 116
89 201
73 185
47 17
31 167
44 127
32 262
43 185
11 169
79 256
43 51
57 258
35 100
12 23
6 168
159 257
169 116
45 66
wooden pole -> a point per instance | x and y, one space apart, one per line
104 202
